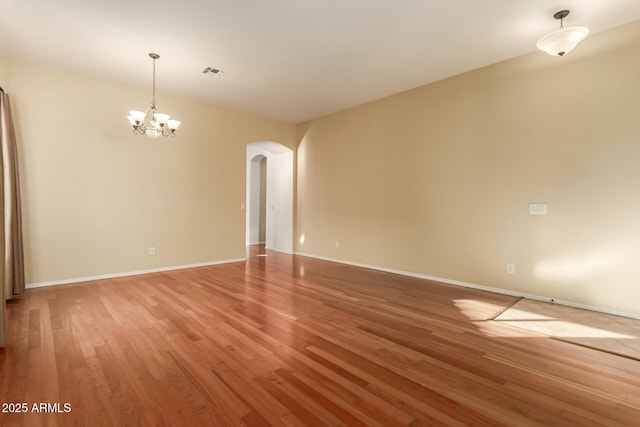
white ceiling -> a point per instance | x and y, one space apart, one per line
292 60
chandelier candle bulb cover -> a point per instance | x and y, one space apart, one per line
562 41
152 123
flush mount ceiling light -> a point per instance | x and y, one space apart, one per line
152 123
564 40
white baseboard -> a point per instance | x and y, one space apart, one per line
476 286
355 264
129 273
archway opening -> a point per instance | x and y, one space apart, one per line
269 198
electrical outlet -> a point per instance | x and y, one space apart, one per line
152 251
511 268
337 244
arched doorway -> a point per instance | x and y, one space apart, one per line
270 177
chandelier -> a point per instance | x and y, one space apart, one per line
564 40
152 123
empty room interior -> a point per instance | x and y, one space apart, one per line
287 213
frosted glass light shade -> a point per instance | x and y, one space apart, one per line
161 118
137 115
562 41
173 124
153 133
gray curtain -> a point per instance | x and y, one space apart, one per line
12 277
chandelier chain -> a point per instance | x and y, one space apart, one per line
153 99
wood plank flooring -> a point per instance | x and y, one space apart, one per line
292 341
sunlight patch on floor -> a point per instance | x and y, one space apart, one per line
560 328
606 332
478 310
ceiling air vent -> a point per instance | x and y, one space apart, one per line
214 71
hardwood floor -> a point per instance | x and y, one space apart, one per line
288 340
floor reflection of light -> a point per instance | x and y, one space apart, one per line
530 321
562 329
553 326
489 329
515 314
471 307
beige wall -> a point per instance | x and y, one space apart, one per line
96 197
437 180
